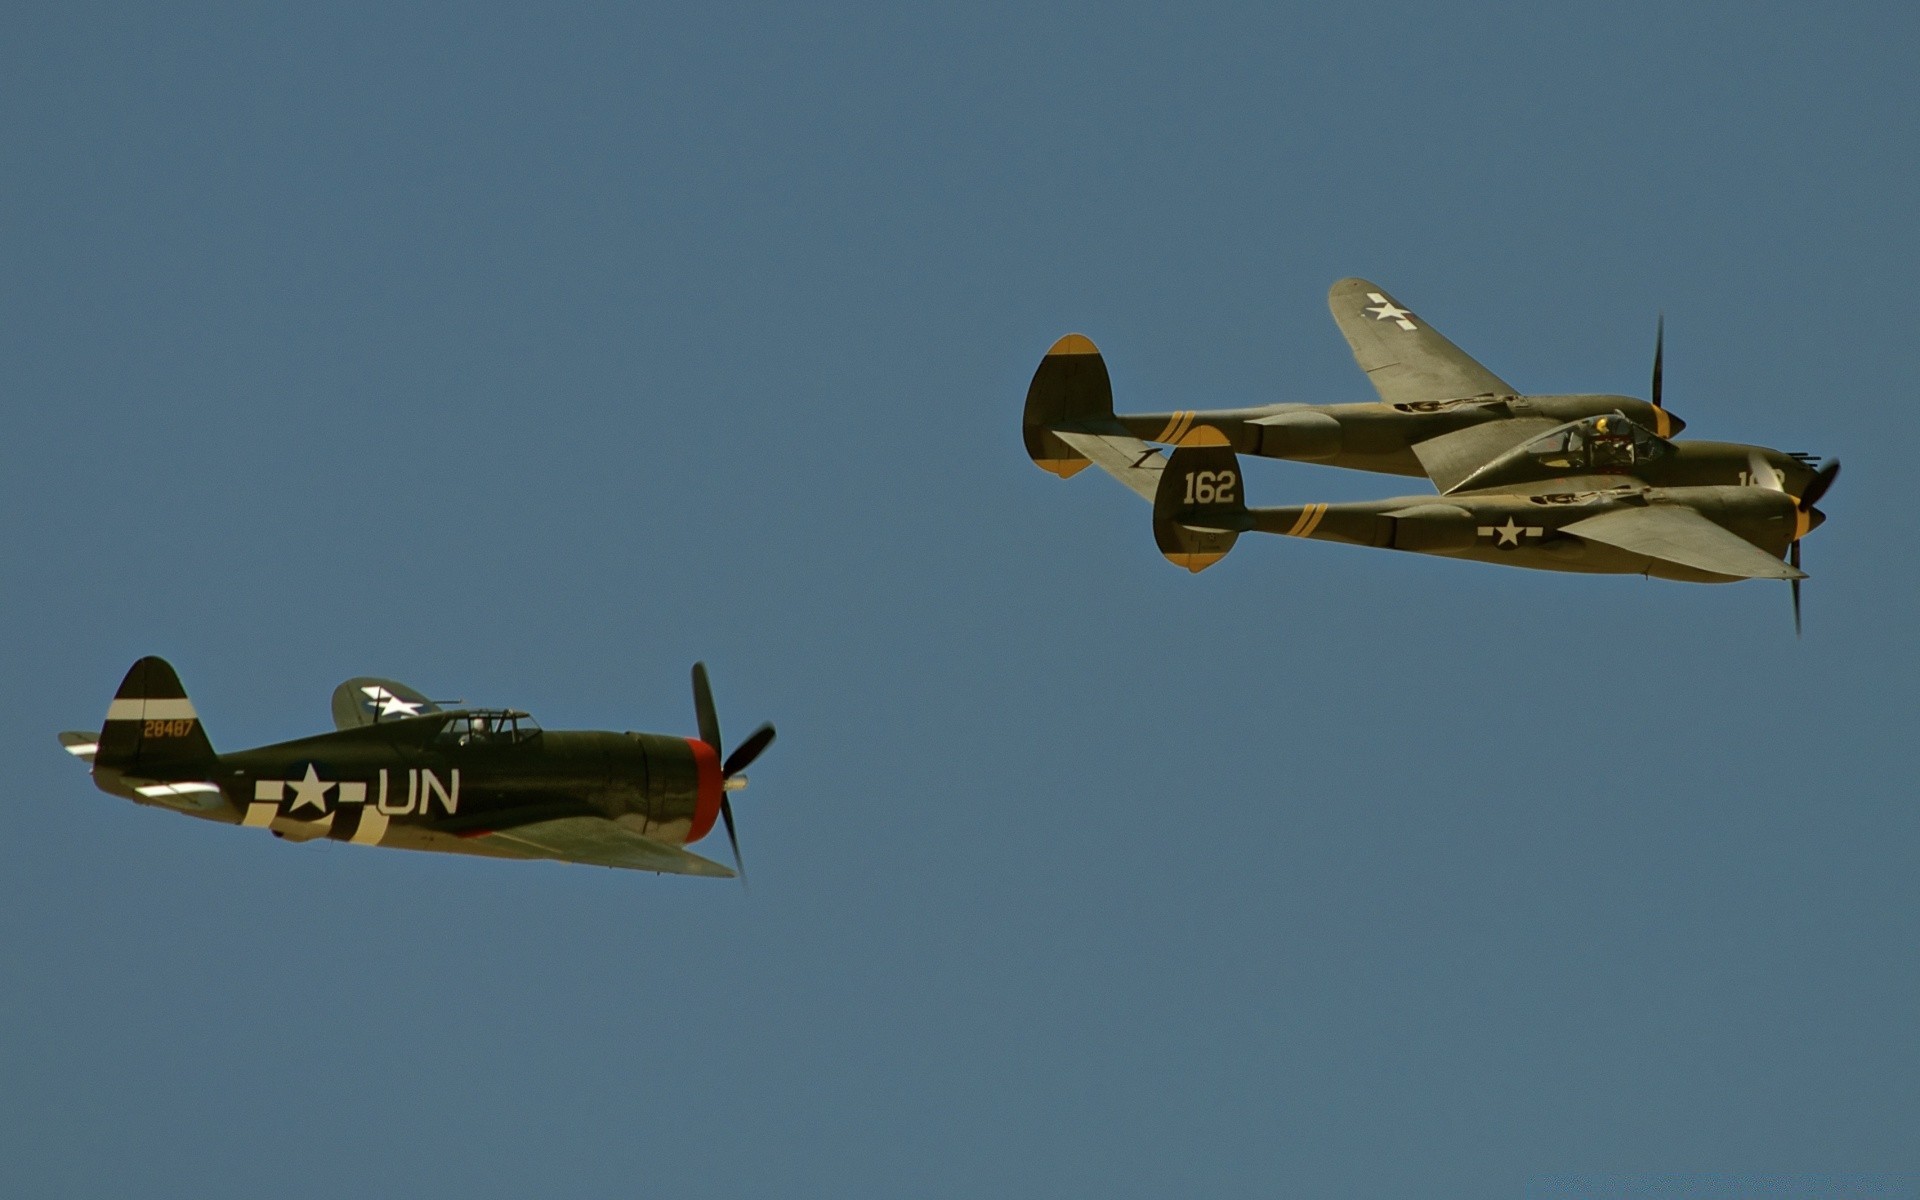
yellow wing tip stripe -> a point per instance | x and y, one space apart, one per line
1308 521
1073 343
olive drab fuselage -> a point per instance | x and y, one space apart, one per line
431 783
1523 529
1375 436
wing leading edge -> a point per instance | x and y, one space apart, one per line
1407 359
1682 536
599 842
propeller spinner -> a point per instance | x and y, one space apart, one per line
1806 516
732 779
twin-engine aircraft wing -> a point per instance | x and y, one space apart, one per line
598 842
1681 535
1452 457
365 701
1407 359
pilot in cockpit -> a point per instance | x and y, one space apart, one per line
1611 443
479 729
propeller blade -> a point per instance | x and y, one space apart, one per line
1659 353
703 711
726 814
1793 560
1822 480
744 754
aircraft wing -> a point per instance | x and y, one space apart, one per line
366 701
1452 457
1676 534
600 842
1118 453
1407 359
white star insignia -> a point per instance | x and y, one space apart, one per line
1386 310
309 790
1510 533
389 704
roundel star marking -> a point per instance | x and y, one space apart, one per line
1384 309
389 704
311 789
1509 534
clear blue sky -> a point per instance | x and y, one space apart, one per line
528 356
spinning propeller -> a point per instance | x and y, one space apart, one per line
1805 516
1668 423
730 769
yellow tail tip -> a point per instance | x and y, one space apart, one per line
1195 561
1065 468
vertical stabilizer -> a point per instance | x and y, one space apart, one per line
1199 507
152 730
1069 389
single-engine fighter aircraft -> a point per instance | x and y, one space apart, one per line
401 771
1591 522
1440 414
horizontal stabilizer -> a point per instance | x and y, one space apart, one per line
82 746
1120 455
599 842
1682 536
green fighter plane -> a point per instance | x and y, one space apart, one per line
399 770
1440 414
1586 519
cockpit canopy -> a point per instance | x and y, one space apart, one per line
488 726
1597 444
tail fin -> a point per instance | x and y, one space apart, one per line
152 731
1199 507
1070 385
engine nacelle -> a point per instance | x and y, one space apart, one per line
1305 435
679 785
1433 528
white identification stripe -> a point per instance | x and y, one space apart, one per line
176 789
372 827
151 710
259 816
84 749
